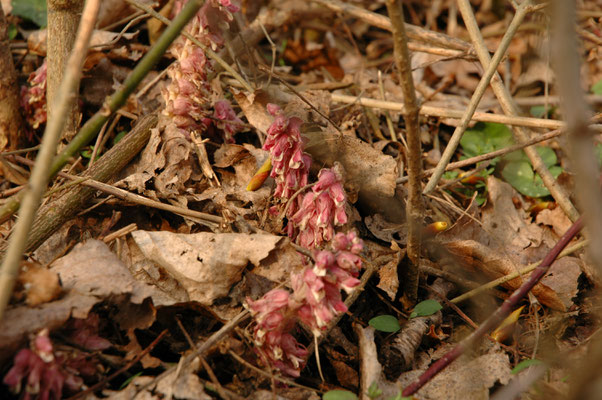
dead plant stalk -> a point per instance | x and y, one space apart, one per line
414 208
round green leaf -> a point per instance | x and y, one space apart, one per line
426 308
521 176
339 395
385 323
485 138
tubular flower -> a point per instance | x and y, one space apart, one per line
187 97
320 210
273 321
44 372
315 301
290 164
33 98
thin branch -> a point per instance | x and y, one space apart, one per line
63 19
415 206
444 112
39 176
510 108
11 122
498 316
450 149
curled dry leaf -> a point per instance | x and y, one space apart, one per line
489 262
205 264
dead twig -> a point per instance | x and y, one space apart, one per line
415 206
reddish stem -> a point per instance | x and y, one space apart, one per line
500 314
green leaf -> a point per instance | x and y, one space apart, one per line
339 395
385 323
547 155
597 87
485 137
526 364
598 151
426 308
12 31
522 177
374 391
33 10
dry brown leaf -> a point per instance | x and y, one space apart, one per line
205 264
507 226
464 379
489 262
555 218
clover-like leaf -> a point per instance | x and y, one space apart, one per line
485 137
426 308
385 323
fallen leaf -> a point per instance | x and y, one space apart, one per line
485 260
464 379
205 264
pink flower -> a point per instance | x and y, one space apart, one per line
321 210
228 120
46 373
316 301
290 165
187 96
33 98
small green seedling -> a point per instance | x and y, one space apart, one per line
426 308
385 323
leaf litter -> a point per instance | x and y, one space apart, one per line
172 272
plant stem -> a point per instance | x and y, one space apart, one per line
414 208
39 176
510 108
500 314
63 19
11 122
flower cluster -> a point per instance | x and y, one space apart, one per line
46 372
274 319
33 98
321 209
290 165
315 301
187 96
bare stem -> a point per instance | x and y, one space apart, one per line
11 123
63 19
414 208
